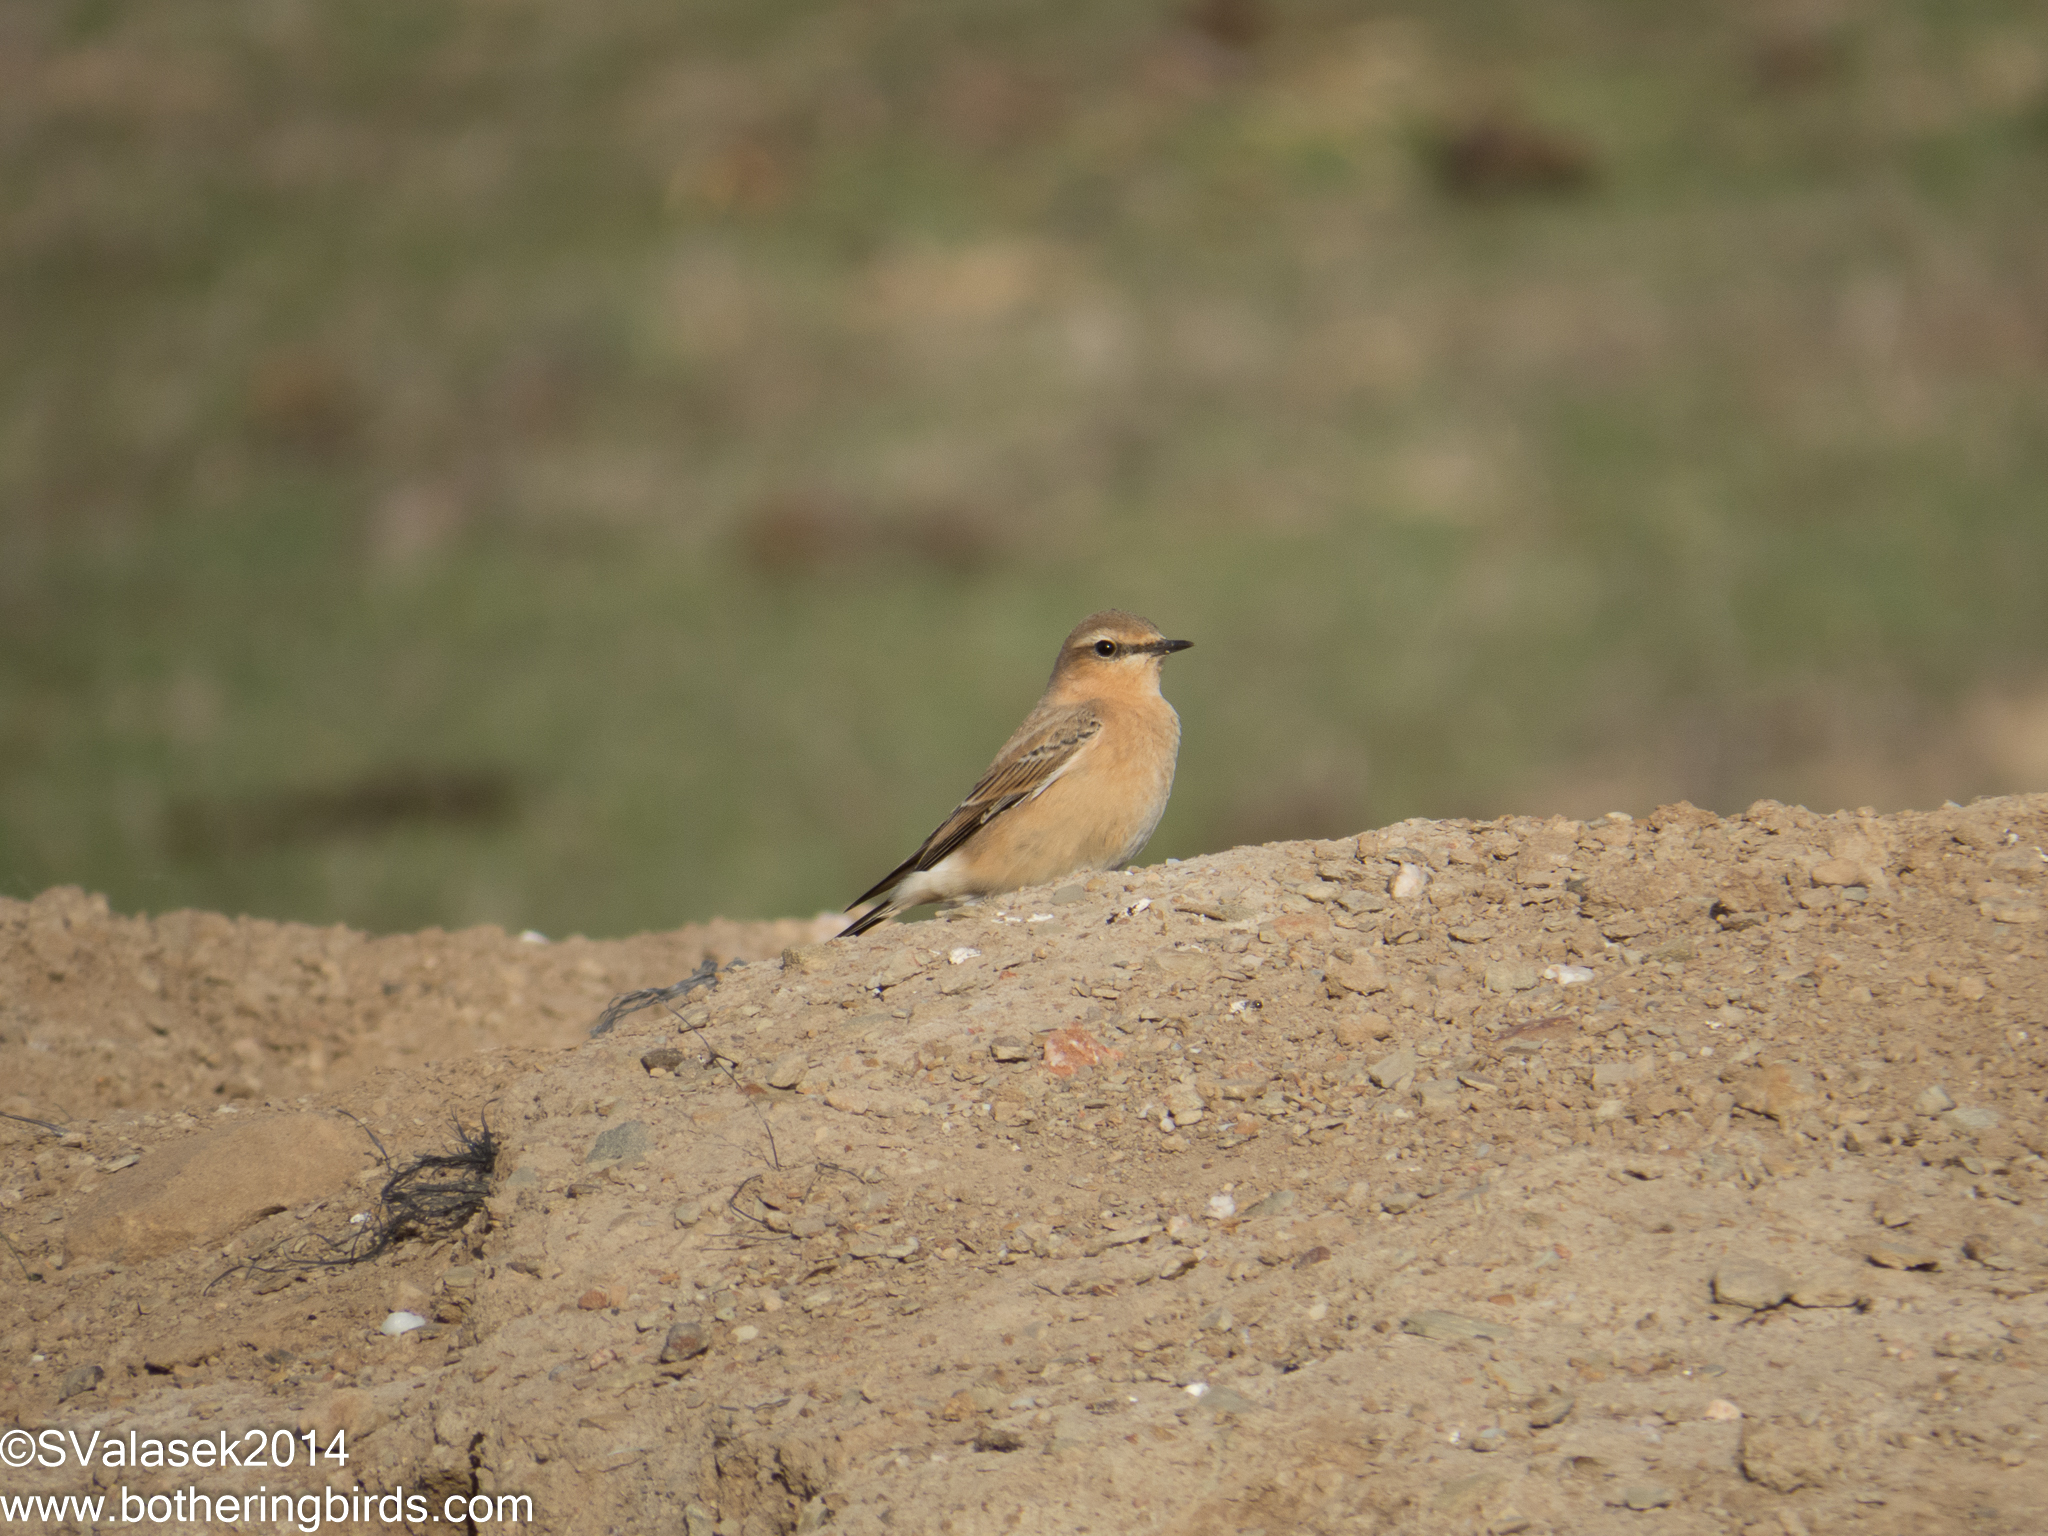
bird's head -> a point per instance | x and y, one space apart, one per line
1112 648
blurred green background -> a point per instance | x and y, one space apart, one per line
593 467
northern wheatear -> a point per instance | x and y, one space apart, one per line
1079 787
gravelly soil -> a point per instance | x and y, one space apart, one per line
1676 1175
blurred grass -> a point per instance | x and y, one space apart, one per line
701 421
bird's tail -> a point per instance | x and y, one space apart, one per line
866 920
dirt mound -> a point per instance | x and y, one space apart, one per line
1516 1176
187 1010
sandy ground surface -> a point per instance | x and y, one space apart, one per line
1677 1175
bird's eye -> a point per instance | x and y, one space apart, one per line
1105 647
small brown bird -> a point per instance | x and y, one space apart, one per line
1079 787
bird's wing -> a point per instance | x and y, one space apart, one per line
1027 766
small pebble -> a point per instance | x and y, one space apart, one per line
402 1322
626 1142
1748 1283
1973 1121
1395 1067
1512 975
1837 872
1901 1252
686 1340
1452 1325
1828 1289
1893 1208
1986 1251
79 1379
1933 1100
1439 1094
1550 1409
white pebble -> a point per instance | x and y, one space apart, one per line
1568 975
963 954
746 1333
533 936
1222 1207
403 1322
1196 1389
1410 881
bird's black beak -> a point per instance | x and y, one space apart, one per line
1167 647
